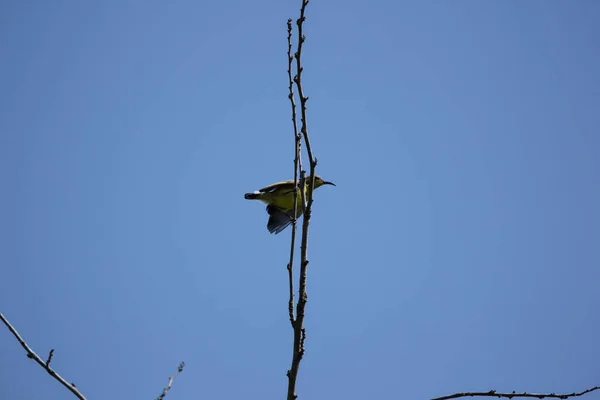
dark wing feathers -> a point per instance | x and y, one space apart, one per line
278 220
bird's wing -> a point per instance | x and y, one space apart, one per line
283 185
278 220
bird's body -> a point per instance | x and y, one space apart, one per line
279 198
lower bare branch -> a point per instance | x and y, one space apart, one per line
299 331
45 365
171 379
514 395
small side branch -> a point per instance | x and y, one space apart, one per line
171 379
514 395
49 357
46 365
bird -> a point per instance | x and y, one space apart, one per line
279 198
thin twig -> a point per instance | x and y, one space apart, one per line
493 393
171 379
297 166
299 330
45 365
49 357
298 81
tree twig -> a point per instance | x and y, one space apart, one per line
513 395
299 330
171 379
298 81
297 167
49 357
46 365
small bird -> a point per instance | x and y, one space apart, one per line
280 201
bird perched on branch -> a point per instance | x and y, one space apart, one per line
280 201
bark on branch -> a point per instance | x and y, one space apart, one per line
44 364
514 395
297 321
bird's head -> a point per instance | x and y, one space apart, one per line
319 181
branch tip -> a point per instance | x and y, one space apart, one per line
171 379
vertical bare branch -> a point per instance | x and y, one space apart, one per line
45 365
171 379
298 81
297 167
299 330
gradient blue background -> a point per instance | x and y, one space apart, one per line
460 250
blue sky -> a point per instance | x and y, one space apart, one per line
459 251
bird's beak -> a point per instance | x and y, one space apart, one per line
329 183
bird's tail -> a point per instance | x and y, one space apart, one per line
251 196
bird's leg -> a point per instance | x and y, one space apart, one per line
291 216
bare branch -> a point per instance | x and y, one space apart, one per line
299 330
513 395
171 379
45 365
297 167
298 80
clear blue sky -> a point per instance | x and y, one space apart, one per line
460 250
